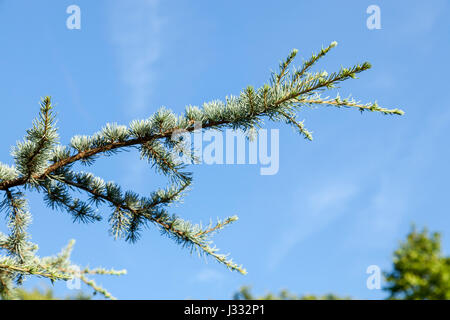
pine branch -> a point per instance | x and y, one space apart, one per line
7 172
19 219
58 197
43 138
309 63
32 270
91 283
44 165
144 208
54 268
32 154
338 102
163 161
299 125
284 65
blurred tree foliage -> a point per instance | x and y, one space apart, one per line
420 270
245 294
46 294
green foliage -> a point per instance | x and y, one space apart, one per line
47 294
420 271
57 267
42 164
245 294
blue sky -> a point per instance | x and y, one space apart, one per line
337 205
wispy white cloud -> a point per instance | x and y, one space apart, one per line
376 224
314 211
422 17
208 275
136 33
